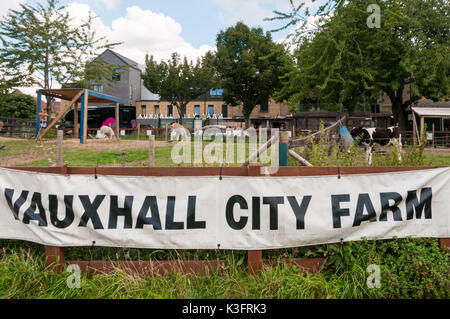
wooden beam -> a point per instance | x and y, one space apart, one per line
76 127
422 127
264 147
299 158
85 115
59 116
117 122
415 129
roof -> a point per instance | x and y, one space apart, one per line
432 111
125 60
69 94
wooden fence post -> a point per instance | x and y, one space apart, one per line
59 148
54 256
151 150
254 257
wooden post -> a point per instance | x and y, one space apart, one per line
422 127
167 132
76 127
117 122
444 242
432 143
54 256
59 148
139 131
85 115
254 257
151 150
38 113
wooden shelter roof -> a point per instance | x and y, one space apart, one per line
69 94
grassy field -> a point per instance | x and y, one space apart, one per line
20 152
410 268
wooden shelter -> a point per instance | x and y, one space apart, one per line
427 112
75 96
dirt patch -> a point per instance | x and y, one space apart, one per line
111 145
438 151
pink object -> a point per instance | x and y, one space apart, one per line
110 121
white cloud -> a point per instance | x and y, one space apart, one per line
6 5
142 31
110 4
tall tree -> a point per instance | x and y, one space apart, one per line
43 46
250 65
344 60
179 81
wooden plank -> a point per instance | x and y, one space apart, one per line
61 113
85 116
151 151
59 148
254 257
299 158
117 122
444 242
224 171
76 125
152 268
311 265
54 258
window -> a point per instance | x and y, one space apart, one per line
265 107
216 92
116 74
170 110
97 88
196 109
224 110
210 110
143 110
156 109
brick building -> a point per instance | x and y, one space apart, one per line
212 104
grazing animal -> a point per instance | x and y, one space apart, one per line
106 132
382 136
177 131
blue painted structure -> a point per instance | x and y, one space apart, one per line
97 97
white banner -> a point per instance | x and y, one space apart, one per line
230 213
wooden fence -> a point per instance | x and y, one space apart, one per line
55 257
17 127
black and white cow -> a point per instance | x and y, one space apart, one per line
368 136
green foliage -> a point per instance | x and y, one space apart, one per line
18 105
250 65
42 44
341 61
179 82
410 268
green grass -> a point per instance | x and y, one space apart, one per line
410 268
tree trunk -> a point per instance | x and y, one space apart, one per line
181 111
399 114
